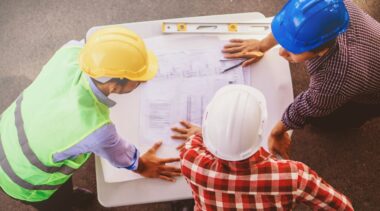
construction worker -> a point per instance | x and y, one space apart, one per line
228 169
63 116
340 46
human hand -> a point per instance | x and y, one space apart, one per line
249 49
279 141
185 132
152 166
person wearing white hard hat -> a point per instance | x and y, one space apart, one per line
228 169
56 123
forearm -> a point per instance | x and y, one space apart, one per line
279 129
318 194
311 104
109 145
291 120
120 154
267 43
106 143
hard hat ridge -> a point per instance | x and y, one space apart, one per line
233 122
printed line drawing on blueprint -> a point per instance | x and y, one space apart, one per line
195 108
191 65
185 84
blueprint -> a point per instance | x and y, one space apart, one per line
185 83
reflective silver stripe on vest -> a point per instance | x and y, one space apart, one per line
4 163
27 150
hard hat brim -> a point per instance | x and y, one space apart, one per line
151 69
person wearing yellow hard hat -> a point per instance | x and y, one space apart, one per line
55 124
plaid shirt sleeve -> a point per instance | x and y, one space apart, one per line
193 145
311 103
315 192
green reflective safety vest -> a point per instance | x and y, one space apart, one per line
54 113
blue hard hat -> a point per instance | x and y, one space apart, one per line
303 25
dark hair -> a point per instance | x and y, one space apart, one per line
328 44
120 81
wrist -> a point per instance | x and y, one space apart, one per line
140 166
279 129
135 161
263 46
267 43
198 131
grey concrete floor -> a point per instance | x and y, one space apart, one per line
32 30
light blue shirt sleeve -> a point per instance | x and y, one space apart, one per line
106 143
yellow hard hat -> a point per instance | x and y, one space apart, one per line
116 52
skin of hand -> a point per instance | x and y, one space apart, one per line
152 166
279 140
188 129
253 50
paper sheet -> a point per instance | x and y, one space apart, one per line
186 82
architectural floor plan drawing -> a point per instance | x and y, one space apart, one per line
185 83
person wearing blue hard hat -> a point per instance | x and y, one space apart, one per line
340 46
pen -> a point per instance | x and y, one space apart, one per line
235 66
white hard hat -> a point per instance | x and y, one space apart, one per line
233 122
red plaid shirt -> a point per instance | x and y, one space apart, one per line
259 183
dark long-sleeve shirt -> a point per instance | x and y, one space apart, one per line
349 72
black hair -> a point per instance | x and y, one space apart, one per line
120 81
328 44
